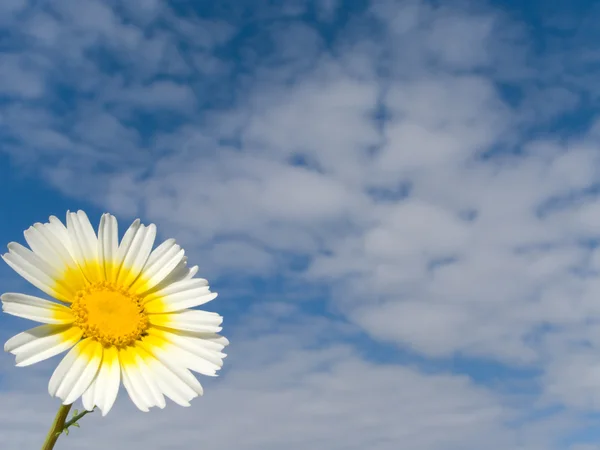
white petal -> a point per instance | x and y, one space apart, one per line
37 271
85 377
87 399
190 320
75 372
217 342
180 286
175 361
45 244
137 254
134 395
161 263
160 251
181 295
85 244
40 343
124 246
148 377
35 308
108 245
212 342
140 387
59 230
179 273
83 237
192 273
105 387
52 236
196 358
108 386
63 368
169 383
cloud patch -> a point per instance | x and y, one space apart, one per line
423 166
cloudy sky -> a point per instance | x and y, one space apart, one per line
397 201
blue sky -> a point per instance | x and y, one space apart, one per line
397 202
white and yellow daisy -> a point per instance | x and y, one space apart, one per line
124 313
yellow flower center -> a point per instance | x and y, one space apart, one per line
110 315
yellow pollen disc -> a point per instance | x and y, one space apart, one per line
110 315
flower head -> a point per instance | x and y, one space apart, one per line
124 313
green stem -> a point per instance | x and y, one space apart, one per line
75 418
57 427
61 424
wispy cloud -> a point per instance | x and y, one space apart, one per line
334 396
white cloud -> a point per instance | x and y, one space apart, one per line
10 8
442 215
326 9
160 94
438 127
285 392
584 447
19 80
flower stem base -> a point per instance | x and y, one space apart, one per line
57 427
61 424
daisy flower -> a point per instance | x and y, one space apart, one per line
123 312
